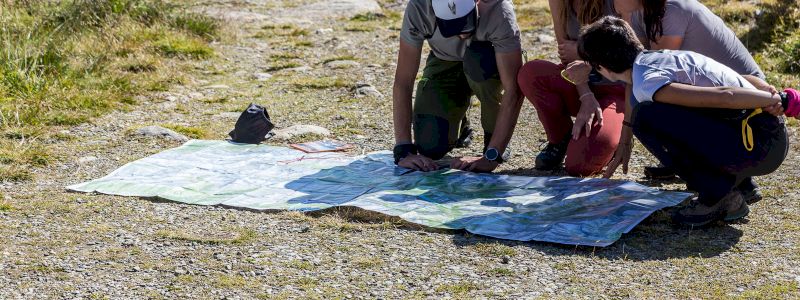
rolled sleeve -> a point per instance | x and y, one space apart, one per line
676 20
505 35
415 29
646 85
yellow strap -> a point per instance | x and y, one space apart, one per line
564 75
747 132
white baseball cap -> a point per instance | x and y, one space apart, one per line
454 17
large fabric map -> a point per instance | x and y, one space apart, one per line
594 212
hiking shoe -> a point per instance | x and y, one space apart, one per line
750 191
696 214
465 138
552 156
659 172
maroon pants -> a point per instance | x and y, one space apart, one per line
556 102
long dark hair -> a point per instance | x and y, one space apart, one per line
653 16
587 11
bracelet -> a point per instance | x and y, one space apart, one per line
564 75
626 123
584 95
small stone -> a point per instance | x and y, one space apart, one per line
86 159
299 69
158 131
298 130
305 229
179 271
373 66
324 31
546 38
363 89
262 76
219 256
506 259
171 98
342 64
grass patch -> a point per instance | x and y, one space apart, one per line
320 83
533 14
232 237
501 272
368 262
5 206
458 289
190 131
337 58
282 66
64 63
300 265
494 249
184 47
358 27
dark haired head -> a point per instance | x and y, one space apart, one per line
610 43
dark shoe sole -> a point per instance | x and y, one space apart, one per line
741 212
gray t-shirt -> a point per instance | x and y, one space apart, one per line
703 32
497 24
653 70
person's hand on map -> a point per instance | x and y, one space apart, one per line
419 163
623 154
474 164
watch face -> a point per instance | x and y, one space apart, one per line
492 154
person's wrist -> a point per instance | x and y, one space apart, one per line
402 151
586 97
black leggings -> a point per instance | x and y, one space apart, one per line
705 148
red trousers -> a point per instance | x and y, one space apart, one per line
556 102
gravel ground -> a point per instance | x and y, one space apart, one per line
65 245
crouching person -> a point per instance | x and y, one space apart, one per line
696 116
475 50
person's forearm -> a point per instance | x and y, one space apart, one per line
401 102
583 89
506 120
740 98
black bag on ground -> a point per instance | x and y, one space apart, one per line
253 125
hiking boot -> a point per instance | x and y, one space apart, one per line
552 156
696 214
465 138
750 191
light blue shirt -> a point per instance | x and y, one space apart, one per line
652 70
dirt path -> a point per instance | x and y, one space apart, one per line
63 245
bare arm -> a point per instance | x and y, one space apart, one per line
567 49
408 60
508 65
667 42
715 97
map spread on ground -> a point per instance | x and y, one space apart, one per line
566 210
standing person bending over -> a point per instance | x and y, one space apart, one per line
589 142
475 49
697 116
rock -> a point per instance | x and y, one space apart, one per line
298 130
506 259
342 64
545 38
229 115
158 131
299 69
305 229
262 76
219 256
179 271
217 87
363 89
324 30
373 66
341 8
86 159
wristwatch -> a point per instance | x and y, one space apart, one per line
492 154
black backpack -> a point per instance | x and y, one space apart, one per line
253 125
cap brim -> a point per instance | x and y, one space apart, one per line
449 28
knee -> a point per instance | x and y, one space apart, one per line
583 168
431 136
529 72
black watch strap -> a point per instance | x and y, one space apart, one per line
784 100
401 151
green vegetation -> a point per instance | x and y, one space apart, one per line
189 131
229 237
64 62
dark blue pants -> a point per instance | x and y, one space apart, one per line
704 146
